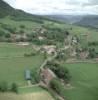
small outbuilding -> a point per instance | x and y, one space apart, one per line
27 75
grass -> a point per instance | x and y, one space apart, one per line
29 25
92 34
33 89
12 67
84 82
43 95
13 63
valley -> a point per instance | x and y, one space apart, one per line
46 59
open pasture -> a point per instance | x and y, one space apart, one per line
84 81
13 63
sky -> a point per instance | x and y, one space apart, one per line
66 7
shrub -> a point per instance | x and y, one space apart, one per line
55 85
22 26
3 86
92 53
29 54
14 88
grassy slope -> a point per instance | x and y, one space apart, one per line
92 34
84 81
16 24
12 67
30 25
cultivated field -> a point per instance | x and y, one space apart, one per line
84 81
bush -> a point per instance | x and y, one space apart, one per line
92 53
14 88
55 85
3 86
7 35
29 54
22 26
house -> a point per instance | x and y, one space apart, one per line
84 54
49 49
23 43
27 75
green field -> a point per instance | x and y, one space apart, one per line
13 63
33 89
12 67
43 95
29 25
84 81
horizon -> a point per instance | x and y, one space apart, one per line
56 7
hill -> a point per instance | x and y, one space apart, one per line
7 10
17 25
89 21
80 20
70 19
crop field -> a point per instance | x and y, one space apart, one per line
13 63
84 81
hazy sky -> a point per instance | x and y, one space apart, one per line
56 6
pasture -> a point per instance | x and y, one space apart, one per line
84 81
29 25
13 63
43 95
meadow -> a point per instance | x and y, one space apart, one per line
84 81
13 63
41 95
12 67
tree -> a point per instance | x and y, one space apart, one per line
2 33
22 26
14 88
61 71
7 35
45 55
61 56
21 32
3 86
55 84
92 53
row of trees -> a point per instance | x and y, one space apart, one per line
95 43
56 85
5 88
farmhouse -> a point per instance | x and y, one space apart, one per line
23 43
41 38
50 49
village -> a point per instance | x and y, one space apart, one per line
70 52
